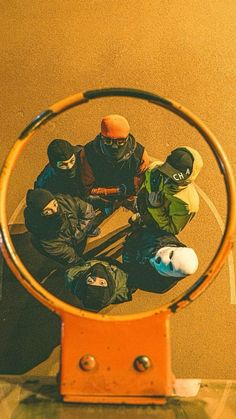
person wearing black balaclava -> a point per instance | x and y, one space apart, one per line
59 224
98 283
113 165
63 173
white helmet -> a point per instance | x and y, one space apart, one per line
175 261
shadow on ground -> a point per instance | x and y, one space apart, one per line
29 331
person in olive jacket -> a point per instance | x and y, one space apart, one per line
113 165
98 283
59 224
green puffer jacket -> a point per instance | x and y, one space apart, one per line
122 292
177 203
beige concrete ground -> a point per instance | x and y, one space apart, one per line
180 50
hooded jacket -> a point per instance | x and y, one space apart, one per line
139 247
98 170
173 205
65 240
50 179
121 291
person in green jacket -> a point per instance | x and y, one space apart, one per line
168 199
98 283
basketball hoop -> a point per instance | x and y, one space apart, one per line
96 366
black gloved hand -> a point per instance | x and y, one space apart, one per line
135 220
155 199
122 189
78 261
156 180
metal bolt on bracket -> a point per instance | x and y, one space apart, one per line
142 363
87 362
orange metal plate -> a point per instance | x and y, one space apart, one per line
115 346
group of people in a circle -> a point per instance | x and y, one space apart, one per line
110 171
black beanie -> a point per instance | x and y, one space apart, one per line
59 150
37 199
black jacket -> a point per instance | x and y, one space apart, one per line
65 241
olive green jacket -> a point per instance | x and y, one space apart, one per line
122 292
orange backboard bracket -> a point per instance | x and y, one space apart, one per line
116 362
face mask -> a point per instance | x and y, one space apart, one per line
53 220
114 151
99 296
45 226
175 261
68 173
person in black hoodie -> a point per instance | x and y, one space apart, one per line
59 224
157 260
63 172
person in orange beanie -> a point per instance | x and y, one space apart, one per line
113 165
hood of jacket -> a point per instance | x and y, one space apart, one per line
197 164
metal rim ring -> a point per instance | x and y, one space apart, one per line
181 301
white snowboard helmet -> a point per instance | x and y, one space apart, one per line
175 261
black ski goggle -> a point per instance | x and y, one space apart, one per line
110 141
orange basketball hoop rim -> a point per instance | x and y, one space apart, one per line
215 265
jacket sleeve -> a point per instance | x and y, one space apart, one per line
39 182
123 296
87 176
172 217
86 215
60 251
176 211
179 215
122 292
143 166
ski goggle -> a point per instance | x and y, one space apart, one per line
110 141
